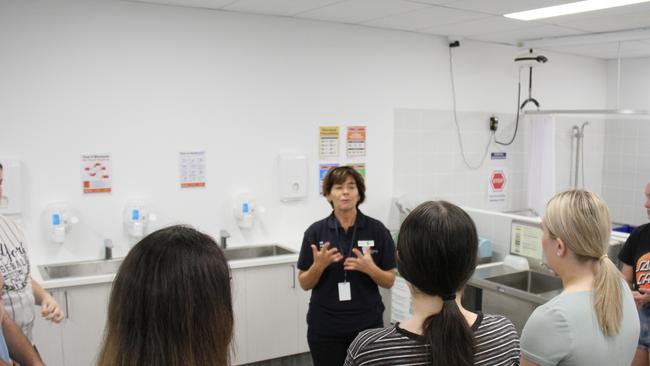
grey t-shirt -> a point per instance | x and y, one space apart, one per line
565 331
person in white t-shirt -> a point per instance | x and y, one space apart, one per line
20 292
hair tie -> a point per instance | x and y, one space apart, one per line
449 297
603 257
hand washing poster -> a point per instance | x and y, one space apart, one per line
356 141
192 169
96 173
329 142
323 169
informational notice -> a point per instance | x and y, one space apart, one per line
400 304
526 240
192 169
360 167
323 169
497 189
96 176
356 141
329 142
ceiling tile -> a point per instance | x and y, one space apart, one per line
425 18
613 23
278 7
432 2
357 11
207 4
539 32
603 14
500 7
492 24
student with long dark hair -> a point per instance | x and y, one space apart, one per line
170 304
436 255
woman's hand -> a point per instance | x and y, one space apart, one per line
325 256
362 263
50 309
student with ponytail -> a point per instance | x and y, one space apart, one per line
436 254
594 320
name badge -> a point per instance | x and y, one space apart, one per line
366 243
344 291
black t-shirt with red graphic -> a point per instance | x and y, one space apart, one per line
636 253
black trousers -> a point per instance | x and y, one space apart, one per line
328 350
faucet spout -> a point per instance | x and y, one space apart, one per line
108 249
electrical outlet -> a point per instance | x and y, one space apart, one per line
494 123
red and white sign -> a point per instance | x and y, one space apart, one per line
497 189
497 180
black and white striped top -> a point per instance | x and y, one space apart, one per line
496 343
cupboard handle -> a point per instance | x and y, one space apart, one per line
293 275
67 308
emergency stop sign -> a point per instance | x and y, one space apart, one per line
497 180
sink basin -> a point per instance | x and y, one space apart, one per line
529 281
255 252
79 269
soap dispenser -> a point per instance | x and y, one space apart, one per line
136 217
58 220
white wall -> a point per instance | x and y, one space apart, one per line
143 82
627 142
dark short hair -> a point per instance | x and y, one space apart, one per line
338 175
171 303
1 168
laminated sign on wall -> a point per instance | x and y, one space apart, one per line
497 189
329 141
192 169
356 144
96 176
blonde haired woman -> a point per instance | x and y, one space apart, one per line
594 320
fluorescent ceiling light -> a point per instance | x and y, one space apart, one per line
571 8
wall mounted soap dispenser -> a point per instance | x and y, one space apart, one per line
58 221
136 218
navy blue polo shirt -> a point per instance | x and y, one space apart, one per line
327 315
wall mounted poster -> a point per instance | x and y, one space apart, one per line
329 142
356 141
192 169
323 169
96 176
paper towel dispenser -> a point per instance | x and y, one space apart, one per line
292 171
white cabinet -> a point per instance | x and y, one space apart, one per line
269 306
77 339
270 313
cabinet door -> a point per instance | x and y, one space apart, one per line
303 307
271 306
47 335
238 290
83 327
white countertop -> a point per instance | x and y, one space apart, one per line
107 278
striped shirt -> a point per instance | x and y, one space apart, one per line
496 343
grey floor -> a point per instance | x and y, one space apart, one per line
303 359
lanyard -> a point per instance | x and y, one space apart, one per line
338 236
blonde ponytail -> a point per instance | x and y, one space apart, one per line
581 219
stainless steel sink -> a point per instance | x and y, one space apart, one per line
106 267
529 281
79 269
238 253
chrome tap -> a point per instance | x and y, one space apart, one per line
108 249
223 238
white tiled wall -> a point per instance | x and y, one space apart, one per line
626 169
429 164
592 142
